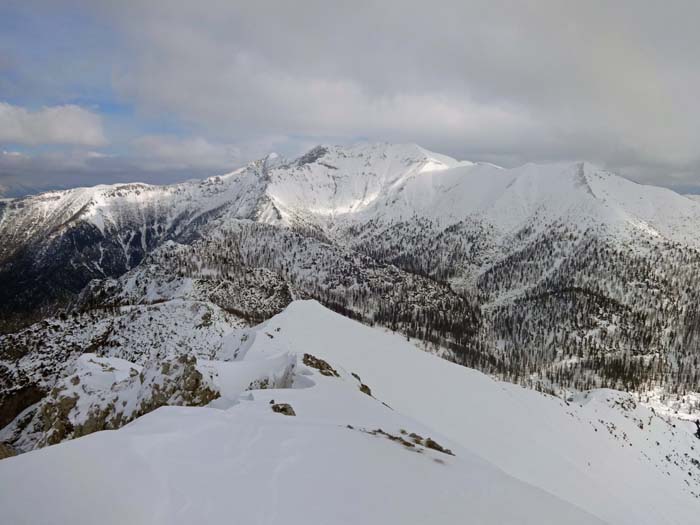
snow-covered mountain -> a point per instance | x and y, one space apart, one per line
318 418
172 343
557 276
335 186
331 186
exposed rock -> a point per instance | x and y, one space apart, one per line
54 414
429 443
409 444
320 365
259 384
283 408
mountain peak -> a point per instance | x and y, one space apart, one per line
311 156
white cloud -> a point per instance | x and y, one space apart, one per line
610 83
67 124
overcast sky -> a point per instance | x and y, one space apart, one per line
103 91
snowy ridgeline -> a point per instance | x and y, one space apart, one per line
332 187
313 418
558 277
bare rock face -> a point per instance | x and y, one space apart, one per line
177 383
54 415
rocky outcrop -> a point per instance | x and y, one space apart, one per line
87 402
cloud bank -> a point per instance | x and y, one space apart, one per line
213 83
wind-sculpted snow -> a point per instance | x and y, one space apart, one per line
323 419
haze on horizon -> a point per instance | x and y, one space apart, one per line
99 92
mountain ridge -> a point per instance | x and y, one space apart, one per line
365 174
359 409
548 275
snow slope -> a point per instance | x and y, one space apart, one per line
333 186
332 181
250 465
343 458
576 452
357 449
